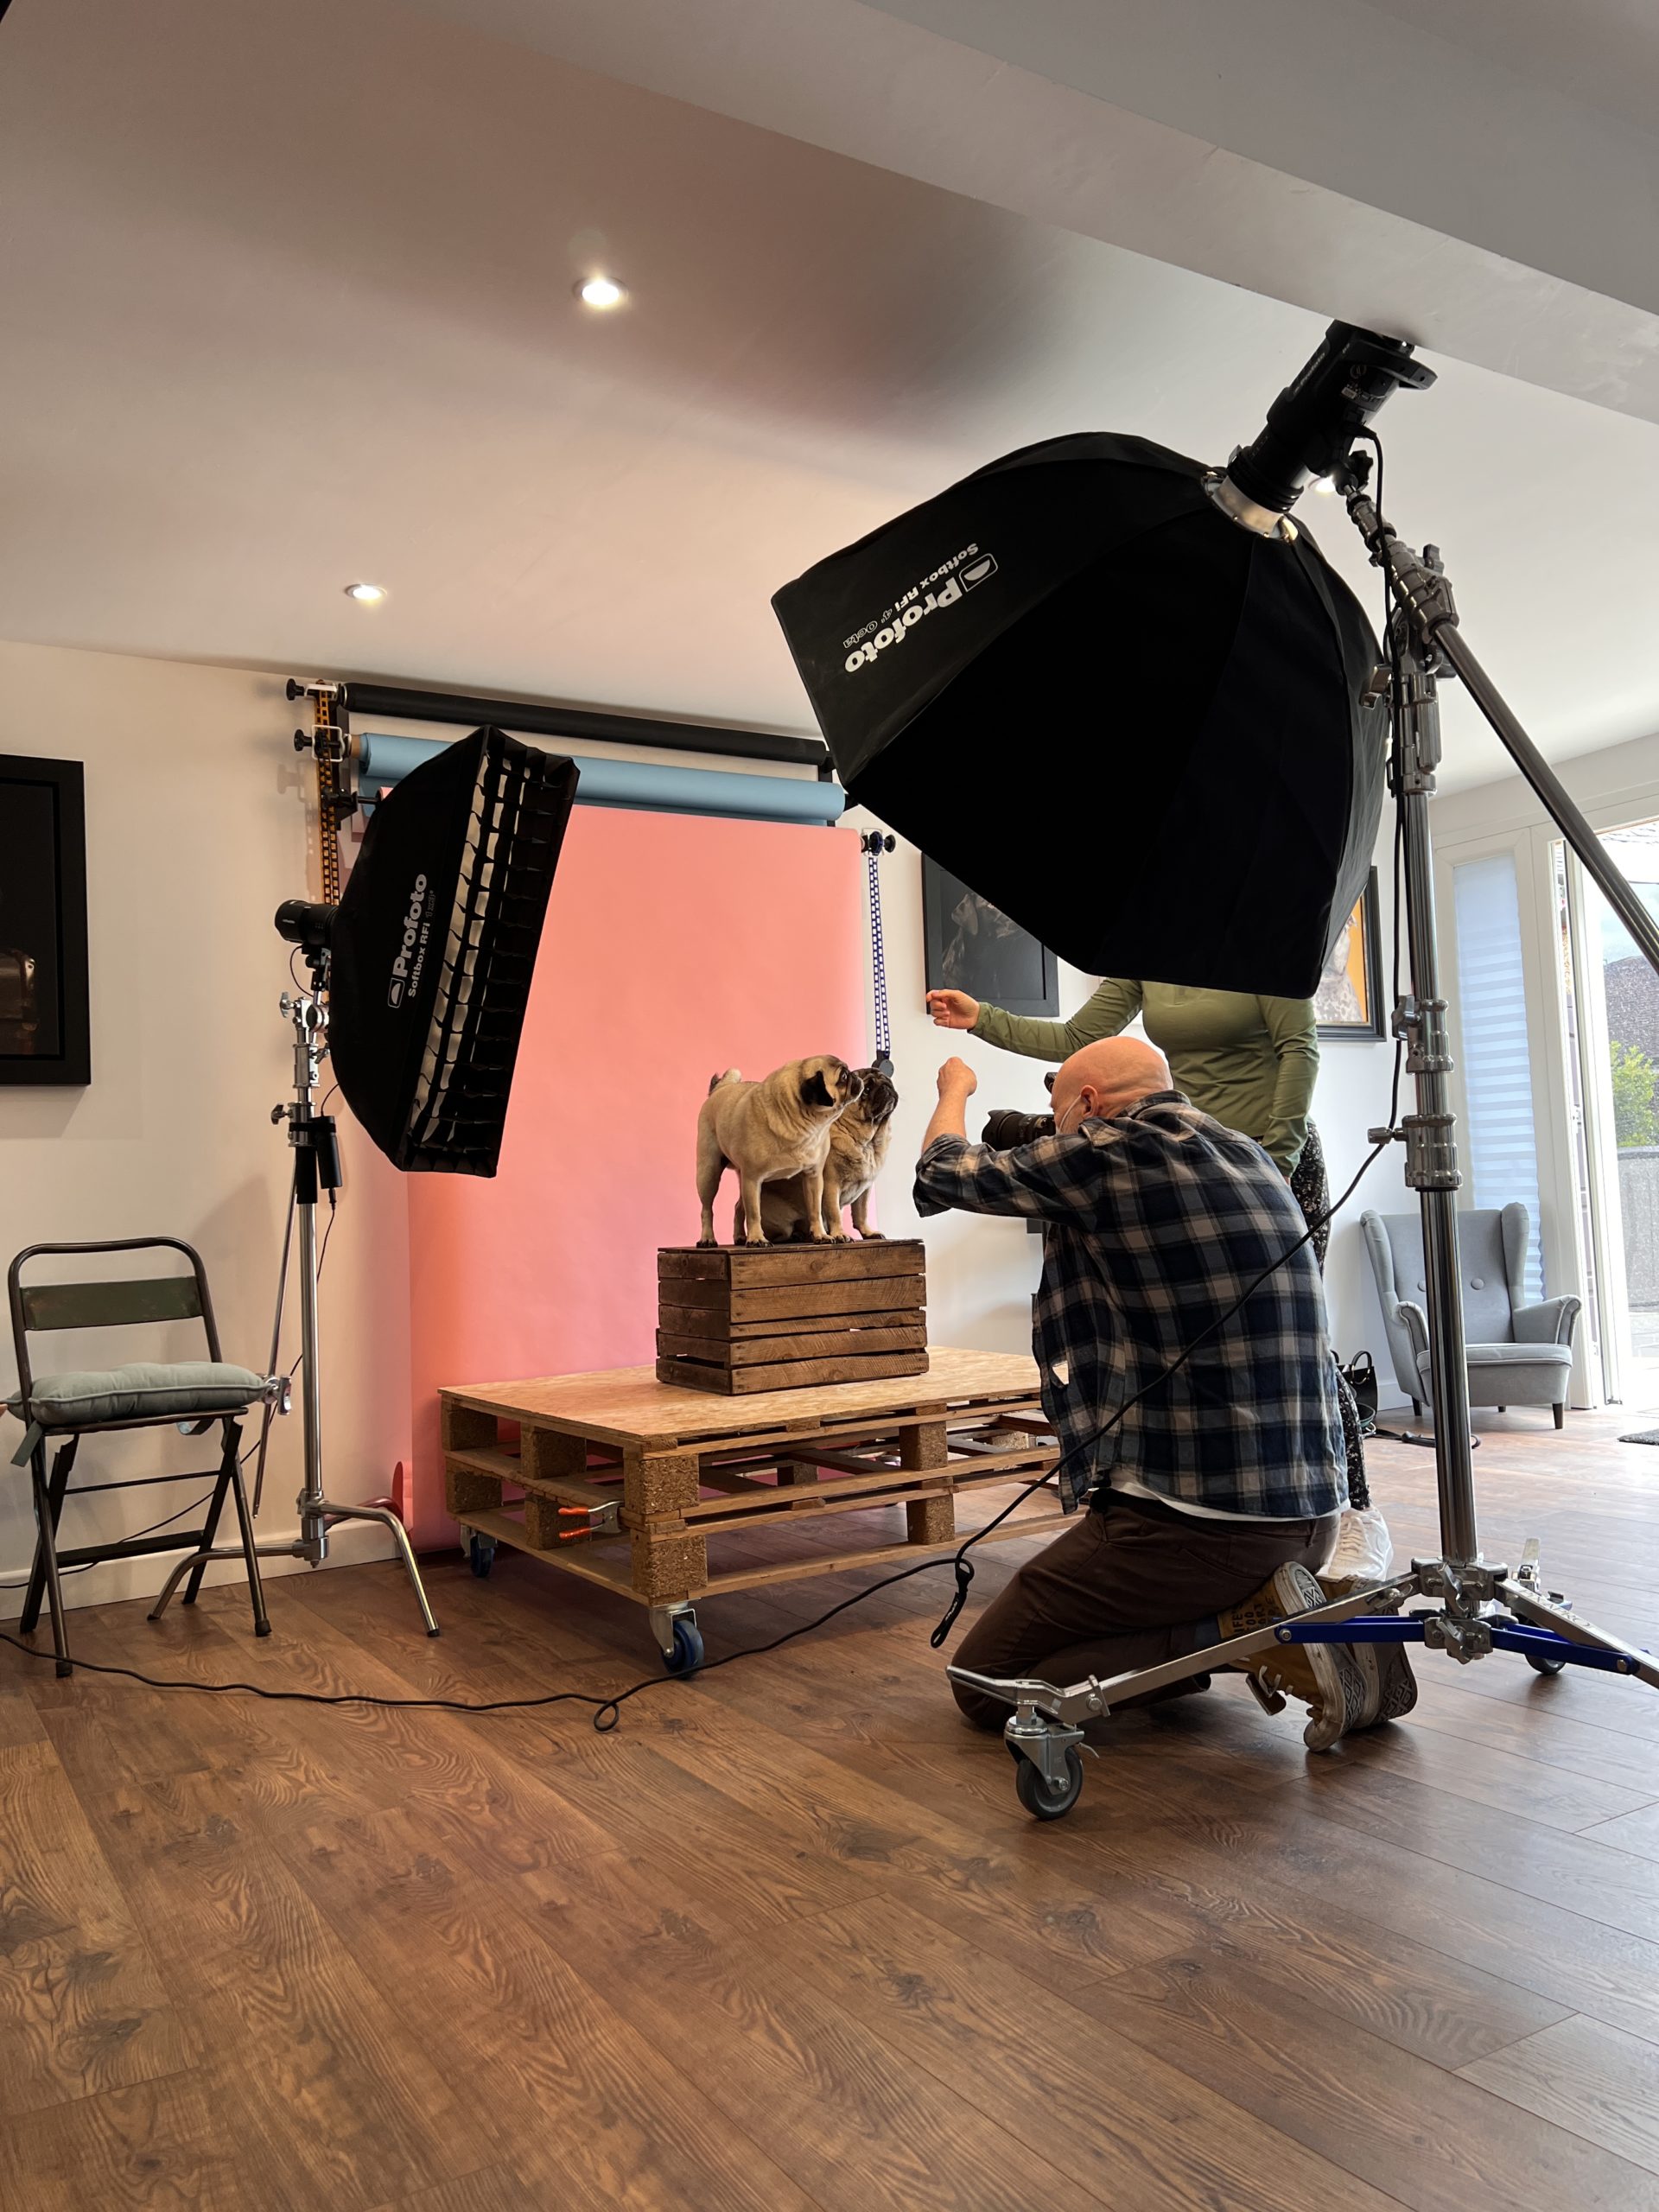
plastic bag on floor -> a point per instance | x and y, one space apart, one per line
1363 1550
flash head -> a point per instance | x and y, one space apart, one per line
307 923
1313 424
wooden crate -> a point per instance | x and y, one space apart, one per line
778 1484
740 1318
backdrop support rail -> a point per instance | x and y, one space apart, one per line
409 703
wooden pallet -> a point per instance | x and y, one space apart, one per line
675 1471
742 1319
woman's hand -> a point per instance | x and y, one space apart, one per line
952 1009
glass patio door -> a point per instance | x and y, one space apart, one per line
1610 999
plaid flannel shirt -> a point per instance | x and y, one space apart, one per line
1157 1219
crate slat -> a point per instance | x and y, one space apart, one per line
714 1322
827 1344
791 1375
794 1301
763 1266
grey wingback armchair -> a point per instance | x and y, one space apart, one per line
1519 1354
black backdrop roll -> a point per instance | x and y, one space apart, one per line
1131 724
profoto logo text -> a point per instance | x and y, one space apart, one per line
412 953
953 577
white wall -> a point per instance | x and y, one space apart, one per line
982 1272
196 830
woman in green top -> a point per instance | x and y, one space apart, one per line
1249 1061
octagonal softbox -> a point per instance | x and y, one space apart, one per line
1132 725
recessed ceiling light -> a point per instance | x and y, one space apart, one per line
601 292
366 595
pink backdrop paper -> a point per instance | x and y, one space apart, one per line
675 947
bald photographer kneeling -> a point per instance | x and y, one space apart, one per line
1217 1495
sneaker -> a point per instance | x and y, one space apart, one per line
1327 1677
1390 1686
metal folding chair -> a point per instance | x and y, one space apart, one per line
60 1408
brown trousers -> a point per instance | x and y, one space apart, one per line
1123 1589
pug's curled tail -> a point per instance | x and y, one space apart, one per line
732 1075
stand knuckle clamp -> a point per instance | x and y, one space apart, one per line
1431 1153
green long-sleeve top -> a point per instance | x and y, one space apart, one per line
1249 1061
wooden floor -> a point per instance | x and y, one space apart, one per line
786 1939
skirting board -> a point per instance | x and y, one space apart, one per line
351 1544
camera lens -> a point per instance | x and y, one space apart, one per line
1005 1129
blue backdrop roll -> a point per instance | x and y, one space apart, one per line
647 786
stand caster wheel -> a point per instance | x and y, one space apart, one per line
1041 1800
686 1656
1544 1664
480 1554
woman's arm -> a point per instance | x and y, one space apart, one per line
1296 1043
1112 1008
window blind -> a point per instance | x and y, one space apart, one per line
1500 1146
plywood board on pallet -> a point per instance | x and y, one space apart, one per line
628 1405
789 1301
789 1375
825 1344
755 1266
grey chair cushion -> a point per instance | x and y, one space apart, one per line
143 1391
1520 1355
1512 1375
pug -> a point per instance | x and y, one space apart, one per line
859 1137
766 1131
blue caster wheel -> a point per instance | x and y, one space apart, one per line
481 1553
686 1656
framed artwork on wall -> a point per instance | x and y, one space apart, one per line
1349 1000
45 1025
970 946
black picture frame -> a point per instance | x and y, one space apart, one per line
1350 970
1009 968
45 1010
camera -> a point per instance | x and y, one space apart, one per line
1006 1127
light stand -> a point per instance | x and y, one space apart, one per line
1476 1607
312 1137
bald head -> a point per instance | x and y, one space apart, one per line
1107 1078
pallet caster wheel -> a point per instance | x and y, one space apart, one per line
1543 1664
686 1655
481 1555
1040 1799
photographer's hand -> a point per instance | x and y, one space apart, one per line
957 1084
952 1010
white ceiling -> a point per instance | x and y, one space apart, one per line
288 304
1604 52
